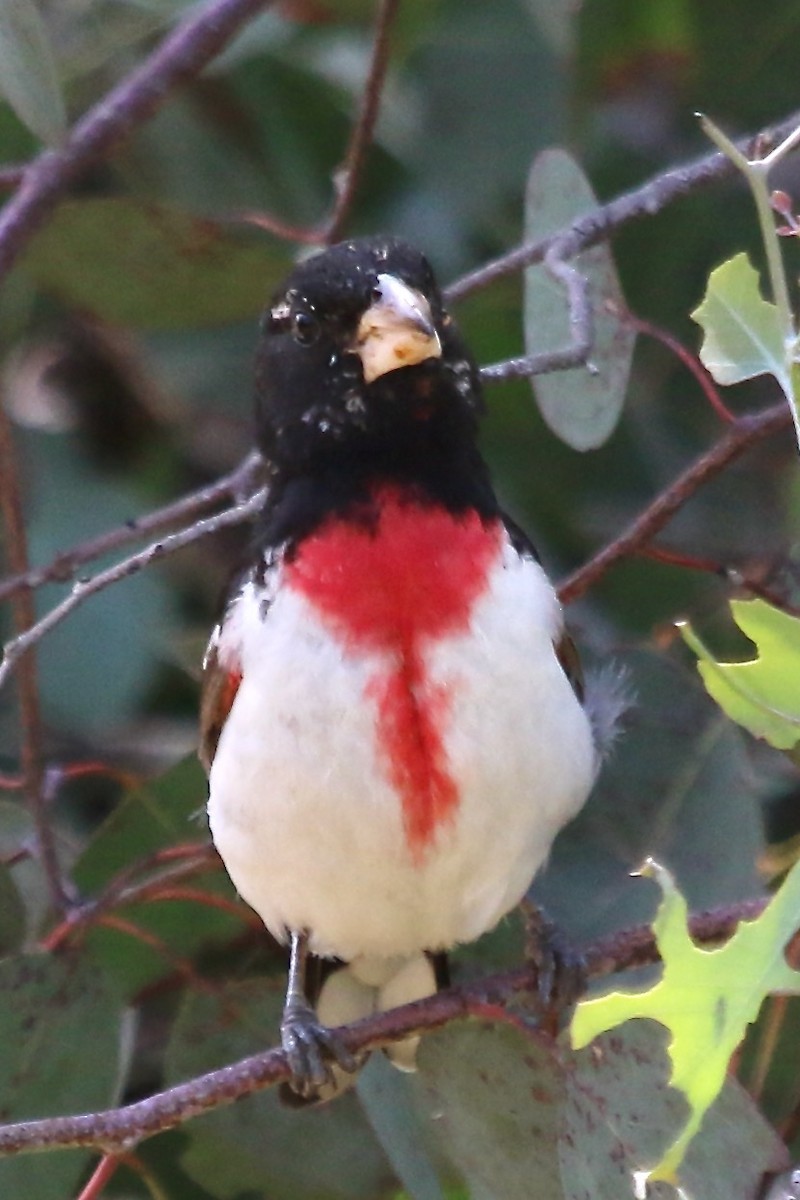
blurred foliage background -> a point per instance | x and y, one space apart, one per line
128 332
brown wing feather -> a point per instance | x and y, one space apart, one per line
567 655
219 688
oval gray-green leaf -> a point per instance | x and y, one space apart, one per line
259 1146
153 267
28 72
512 1107
390 1101
495 1101
581 406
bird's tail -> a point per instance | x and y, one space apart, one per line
608 697
371 985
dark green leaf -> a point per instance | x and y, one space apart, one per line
86 691
12 913
664 803
512 1107
60 1032
621 1116
153 267
16 835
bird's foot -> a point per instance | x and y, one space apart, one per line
311 1048
560 968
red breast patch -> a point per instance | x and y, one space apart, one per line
412 576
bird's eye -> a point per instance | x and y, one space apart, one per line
305 328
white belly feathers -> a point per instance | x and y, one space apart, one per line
307 804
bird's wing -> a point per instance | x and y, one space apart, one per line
565 648
219 687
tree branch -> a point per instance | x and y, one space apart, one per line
181 56
348 176
236 485
598 224
122 1128
82 590
24 616
741 435
581 324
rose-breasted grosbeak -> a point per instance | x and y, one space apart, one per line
392 722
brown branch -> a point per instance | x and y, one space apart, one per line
83 589
180 57
692 363
123 1128
11 175
598 224
236 485
196 860
348 176
581 324
740 436
24 617
737 577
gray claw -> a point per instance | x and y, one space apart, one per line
307 1044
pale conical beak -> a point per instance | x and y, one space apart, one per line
396 330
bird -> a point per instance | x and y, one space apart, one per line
393 718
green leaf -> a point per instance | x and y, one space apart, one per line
619 1116
511 1106
153 267
28 74
497 1094
259 1145
742 330
89 693
12 913
581 406
16 833
388 1098
661 794
706 998
60 1030
761 693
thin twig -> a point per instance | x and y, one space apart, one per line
735 576
600 222
581 325
236 485
180 57
82 590
348 176
744 433
123 1128
24 616
689 360
120 891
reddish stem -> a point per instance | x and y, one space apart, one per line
689 360
101 1175
744 433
